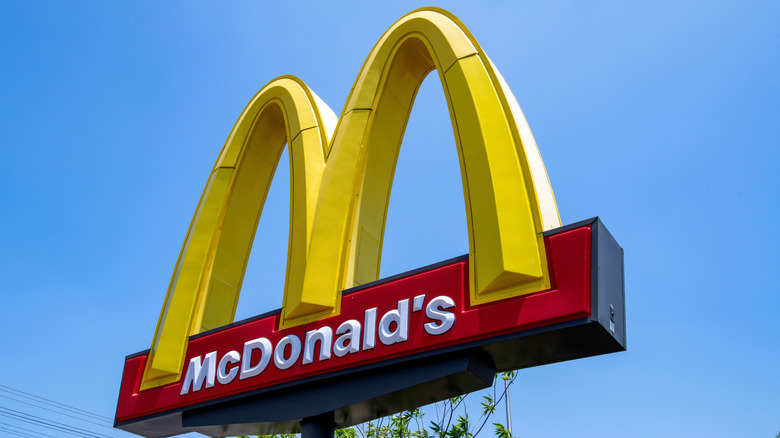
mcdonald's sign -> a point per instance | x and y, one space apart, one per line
345 345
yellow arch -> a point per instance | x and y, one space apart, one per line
509 201
339 193
203 292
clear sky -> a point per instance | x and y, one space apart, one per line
662 118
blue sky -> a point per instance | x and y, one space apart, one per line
662 118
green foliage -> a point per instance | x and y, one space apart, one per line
501 431
281 435
346 433
449 423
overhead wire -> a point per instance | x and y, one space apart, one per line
45 425
58 413
57 408
49 424
6 426
46 401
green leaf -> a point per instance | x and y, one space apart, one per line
501 431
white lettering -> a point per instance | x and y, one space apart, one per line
400 317
419 300
349 341
434 311
392 328
295 352
369 327
223 376
198 372
266 351
325 336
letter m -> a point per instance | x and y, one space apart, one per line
198 372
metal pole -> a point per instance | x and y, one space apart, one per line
319 426
508 411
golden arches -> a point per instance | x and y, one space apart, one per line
509 202
341 187
204 290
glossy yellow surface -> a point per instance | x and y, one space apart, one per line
204 290
508 196
341 187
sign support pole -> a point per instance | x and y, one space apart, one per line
508 409
319 426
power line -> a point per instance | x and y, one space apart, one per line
49 424
53 403
43 424
5 426
58 413
35 401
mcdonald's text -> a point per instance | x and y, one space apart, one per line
392 328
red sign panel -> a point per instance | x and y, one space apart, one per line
417 313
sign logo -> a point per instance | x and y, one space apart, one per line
391 328
341 174
523 271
